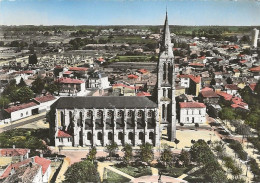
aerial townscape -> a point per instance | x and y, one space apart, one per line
129 103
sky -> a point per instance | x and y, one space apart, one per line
129 12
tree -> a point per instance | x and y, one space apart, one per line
244 130
111 148
38 85
83 171
52 88
166 155
185 157
201 153
22 83
218 176
24 94
92 154
236 172
4 101
176 141
146 152
128 150
33 59
227 113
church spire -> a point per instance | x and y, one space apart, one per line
166 45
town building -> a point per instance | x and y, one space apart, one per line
192 112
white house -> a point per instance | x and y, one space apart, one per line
99 80
192 112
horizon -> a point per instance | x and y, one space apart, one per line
129 12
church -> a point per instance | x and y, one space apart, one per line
98 121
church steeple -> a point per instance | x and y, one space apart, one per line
166 83
166 45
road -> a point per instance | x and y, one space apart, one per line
24 122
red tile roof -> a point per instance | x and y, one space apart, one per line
236 70
67 72
44 98
45 163
237 106
132 76
143 94
197 64
143 71
243 61
14 166
232 87
196 79
14 152
255 69
70 81
206 89
209 94
123 85
78 69
225 95
63 134
20 107
252 86
192 105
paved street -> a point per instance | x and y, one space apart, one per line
22 122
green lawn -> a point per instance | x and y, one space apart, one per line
135 171
174 171
114 177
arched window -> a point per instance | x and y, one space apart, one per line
164 71
151 135
130 136
141 135
110 136
62 118
120 136
89 136
163 111
99 135
70 116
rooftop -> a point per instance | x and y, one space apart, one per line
208 94
192 105
44 98
102 102
20 107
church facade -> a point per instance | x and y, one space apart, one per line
98 121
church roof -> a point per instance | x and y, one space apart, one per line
102 102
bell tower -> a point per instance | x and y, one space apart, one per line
166 83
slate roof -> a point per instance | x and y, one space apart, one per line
108 102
